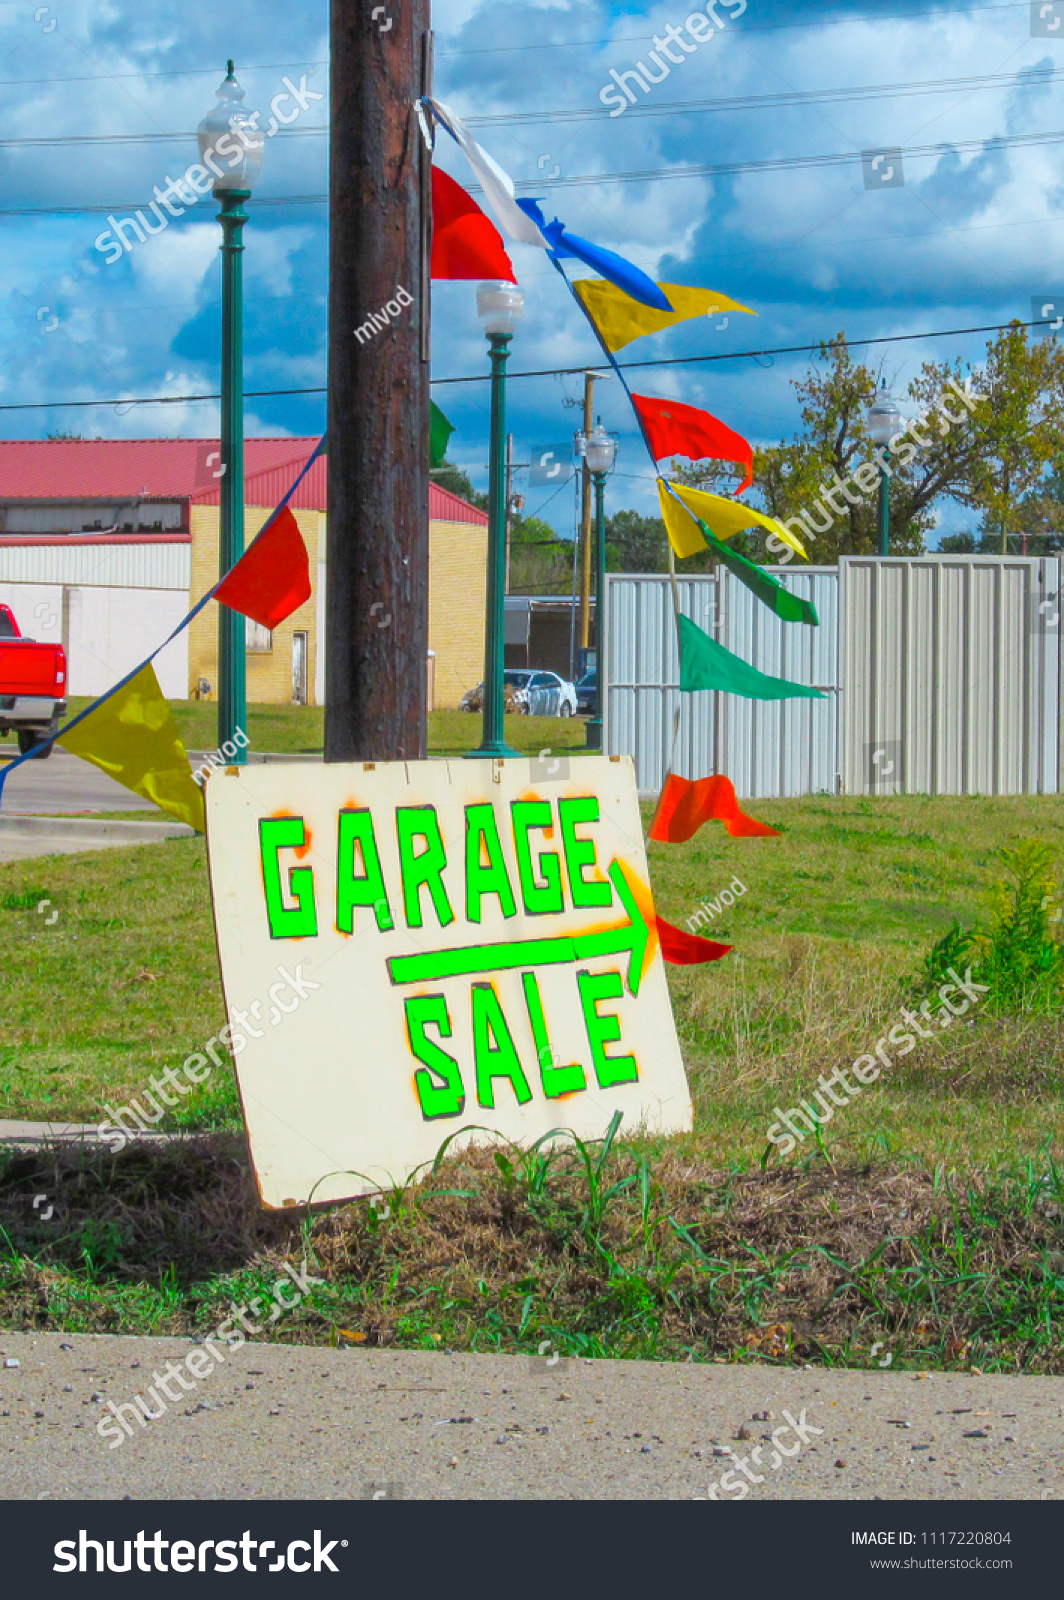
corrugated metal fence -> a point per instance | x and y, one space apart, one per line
941 675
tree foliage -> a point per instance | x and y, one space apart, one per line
991 440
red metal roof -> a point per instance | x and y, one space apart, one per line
178 469
447 507
266 488
126 469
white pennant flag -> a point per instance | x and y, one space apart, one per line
498 186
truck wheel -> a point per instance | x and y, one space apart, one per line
28 738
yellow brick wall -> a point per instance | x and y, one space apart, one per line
458 554
458 557
269 673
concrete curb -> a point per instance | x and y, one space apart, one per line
255 757
21 826
33 1134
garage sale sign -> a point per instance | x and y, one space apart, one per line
412 948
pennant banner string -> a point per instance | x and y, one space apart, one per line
5 771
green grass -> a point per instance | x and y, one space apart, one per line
602 1249
126 980
299 730
931 1212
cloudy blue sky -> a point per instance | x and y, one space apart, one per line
969 236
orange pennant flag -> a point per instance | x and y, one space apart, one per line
272 577
684 806
687 949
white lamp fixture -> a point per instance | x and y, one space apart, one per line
499 306
884 419
230 137
600 450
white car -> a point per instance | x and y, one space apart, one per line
542 694
532 693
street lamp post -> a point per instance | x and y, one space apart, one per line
884 421
229 131
599 452
499 308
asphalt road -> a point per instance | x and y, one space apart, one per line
287 1422
65 783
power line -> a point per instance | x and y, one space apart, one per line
779 350
795 97
546 372
790 97
170 72
141 205
844 158
29 141
555 44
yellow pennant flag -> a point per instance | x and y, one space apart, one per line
134 739
722 516
620 319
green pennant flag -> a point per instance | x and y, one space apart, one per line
787 606
440 431
705 664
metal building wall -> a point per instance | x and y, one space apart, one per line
943 675
110 566
767 748
952 674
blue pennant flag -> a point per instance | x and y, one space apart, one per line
629 278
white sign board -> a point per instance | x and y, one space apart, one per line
411 948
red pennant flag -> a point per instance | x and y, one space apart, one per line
684 806
272 577
465 243
687 949
674 429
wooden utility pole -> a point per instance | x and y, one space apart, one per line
376 620
585 521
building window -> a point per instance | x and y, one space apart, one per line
257 638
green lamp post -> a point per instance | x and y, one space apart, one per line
599 452
229 134
499 308
884 421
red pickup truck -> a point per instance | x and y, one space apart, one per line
33 683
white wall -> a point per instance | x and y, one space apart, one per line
109 631
38 609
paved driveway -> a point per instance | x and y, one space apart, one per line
287 1422
65 783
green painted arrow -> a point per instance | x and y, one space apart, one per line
468 960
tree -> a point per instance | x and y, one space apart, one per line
802 479
958 544
448 476
540 562
635 543
1020 434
